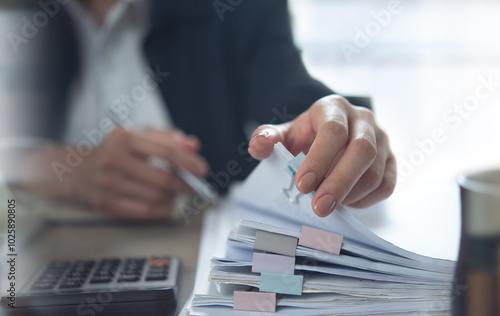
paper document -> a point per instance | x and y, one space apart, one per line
275 244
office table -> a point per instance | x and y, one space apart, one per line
422 218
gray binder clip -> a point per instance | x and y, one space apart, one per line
276 243
293 166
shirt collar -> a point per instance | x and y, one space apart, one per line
84 18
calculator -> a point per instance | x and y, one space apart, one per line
104 287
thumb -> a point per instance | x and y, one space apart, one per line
264 137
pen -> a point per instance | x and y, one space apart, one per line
200 186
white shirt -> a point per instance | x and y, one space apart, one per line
114 73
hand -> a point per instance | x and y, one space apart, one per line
348 159
118 179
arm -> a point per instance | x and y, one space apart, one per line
276 80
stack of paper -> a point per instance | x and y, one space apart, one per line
368 276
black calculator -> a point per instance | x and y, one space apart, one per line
104 287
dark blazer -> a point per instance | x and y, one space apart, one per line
225 74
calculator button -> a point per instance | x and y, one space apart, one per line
159 262
157 272
42 286
70 285
75 274
128 278
132 268
83 265
51 275
156 277
130 274
75 279
106 271
158 268
154 271
100 279
103 276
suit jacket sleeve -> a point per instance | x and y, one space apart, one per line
276 78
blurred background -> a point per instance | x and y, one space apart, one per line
432 69
422 66
419 69
419 63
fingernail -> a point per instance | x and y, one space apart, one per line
308 182
324 205
264 133
255 147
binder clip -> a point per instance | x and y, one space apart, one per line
293 166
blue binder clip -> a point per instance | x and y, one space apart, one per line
293 166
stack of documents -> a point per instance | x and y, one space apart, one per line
282 258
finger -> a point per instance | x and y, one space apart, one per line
332 131
190 143
359 155
263 139
143 173
179 158
385 189
174 137
369 181
373 176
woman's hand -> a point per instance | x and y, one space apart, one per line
118 177
348 158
